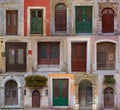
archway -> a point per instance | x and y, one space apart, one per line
11 93
85 94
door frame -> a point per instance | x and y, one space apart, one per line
81 39
25 55
44 19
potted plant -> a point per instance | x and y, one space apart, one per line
109 80
36 81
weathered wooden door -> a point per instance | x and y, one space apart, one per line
36 21
11 22
11 93
15 57
78 53
60 92
60 17
108 98
36 99
108 20
85 94
83 19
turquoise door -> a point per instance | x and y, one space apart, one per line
60 92
36 22
83 19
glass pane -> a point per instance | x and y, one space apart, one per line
61 7
54 53
33 13
40 13
20 56
8 19
14 19
11 56
79 15
14 94
43 51
88 15
7 94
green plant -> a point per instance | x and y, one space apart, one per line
109 80
36 81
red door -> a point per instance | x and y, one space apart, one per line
36 99
78 53
108 21
11 22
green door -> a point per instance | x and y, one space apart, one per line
83 19
36 21
60 92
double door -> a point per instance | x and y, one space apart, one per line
15 57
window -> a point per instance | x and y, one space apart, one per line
48 53
106 56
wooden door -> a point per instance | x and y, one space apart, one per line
85 94
36 99
36 21
49 53
78 53
108 98
11 93
60 17
108 21
15 57
60 92
83 19
11 22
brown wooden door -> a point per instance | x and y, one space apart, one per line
109 98
11 22
108 21
36 99
78 53
60 18
15 57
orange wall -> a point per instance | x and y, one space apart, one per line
38 3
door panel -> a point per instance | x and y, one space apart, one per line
16 57
60 92
78 62
36 22
83 19
60 20
11 22
108 98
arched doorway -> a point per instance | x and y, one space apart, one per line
108 97
107 20
85 94
60 17
35 98
11 93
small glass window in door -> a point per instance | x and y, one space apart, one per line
11 56
20 56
